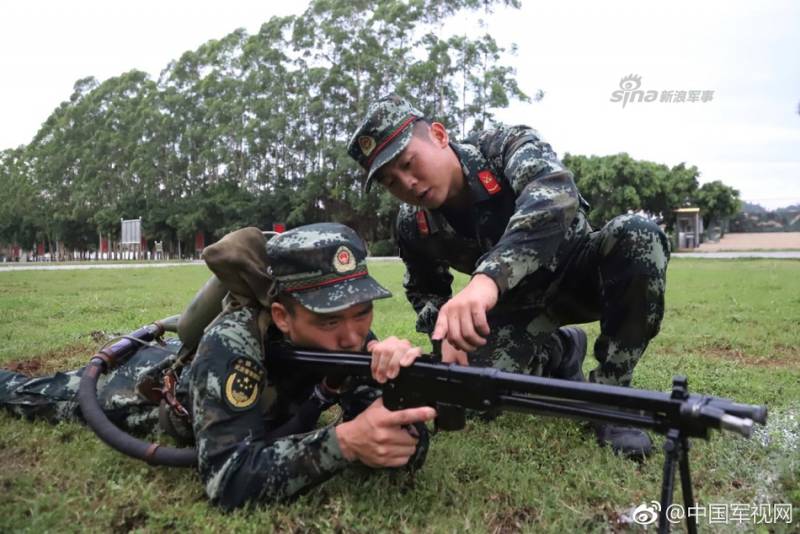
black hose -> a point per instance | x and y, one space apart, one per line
152 453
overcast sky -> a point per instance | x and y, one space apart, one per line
747 135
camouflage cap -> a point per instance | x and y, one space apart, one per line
324 266
383 135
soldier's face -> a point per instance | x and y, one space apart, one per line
346 330
427 172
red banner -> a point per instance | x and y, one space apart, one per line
279 227
40 249
199 241
104 245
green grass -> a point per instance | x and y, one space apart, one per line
731 326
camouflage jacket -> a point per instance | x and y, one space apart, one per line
236 402
526 216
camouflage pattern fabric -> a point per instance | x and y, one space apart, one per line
527 230
241 413
54 398
383 135
235 401
324 266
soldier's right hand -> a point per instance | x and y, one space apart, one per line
378 437
450 354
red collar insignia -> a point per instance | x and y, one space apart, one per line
489 182
422 224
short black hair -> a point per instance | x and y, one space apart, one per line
422 126
288 302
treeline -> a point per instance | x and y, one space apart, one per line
248 129
620 184
252 130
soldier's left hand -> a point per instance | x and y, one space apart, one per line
389 355
462 320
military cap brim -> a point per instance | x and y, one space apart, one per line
341 295
389 152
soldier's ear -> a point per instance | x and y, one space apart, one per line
280 316
439 134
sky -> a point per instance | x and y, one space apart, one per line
743 54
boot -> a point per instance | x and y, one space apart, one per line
626 441
573 345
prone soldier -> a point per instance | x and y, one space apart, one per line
255 430
502 208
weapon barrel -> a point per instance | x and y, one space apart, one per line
488 388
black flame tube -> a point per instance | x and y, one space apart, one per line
106 359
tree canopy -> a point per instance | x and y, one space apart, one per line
620 184
249 129
252 130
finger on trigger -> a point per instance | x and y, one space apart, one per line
413 415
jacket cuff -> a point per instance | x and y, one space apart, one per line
333 461
494 270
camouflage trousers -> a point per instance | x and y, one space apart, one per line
616 275
55 398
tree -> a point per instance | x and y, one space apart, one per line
717 202
252 129
620 184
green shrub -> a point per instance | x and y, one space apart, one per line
384 247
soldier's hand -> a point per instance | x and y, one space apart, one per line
377 437
450 354
389 355
462 320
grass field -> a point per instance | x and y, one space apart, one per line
731 326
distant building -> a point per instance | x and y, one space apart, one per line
688 228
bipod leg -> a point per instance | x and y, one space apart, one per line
686 485
671 450
676 450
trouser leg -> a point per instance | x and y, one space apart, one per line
531 342
631 254
54 397
50 397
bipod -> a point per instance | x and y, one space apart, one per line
676 449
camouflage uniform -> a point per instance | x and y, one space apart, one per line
527 230
54 398
242 414
237 405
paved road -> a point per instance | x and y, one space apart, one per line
82 266
4 267
784 255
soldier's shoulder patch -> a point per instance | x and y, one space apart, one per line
422 223
489 182
243 383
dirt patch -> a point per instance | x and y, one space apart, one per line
512 520
26 367
754 241
782 356
509 519
128 518
98 336
51 361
